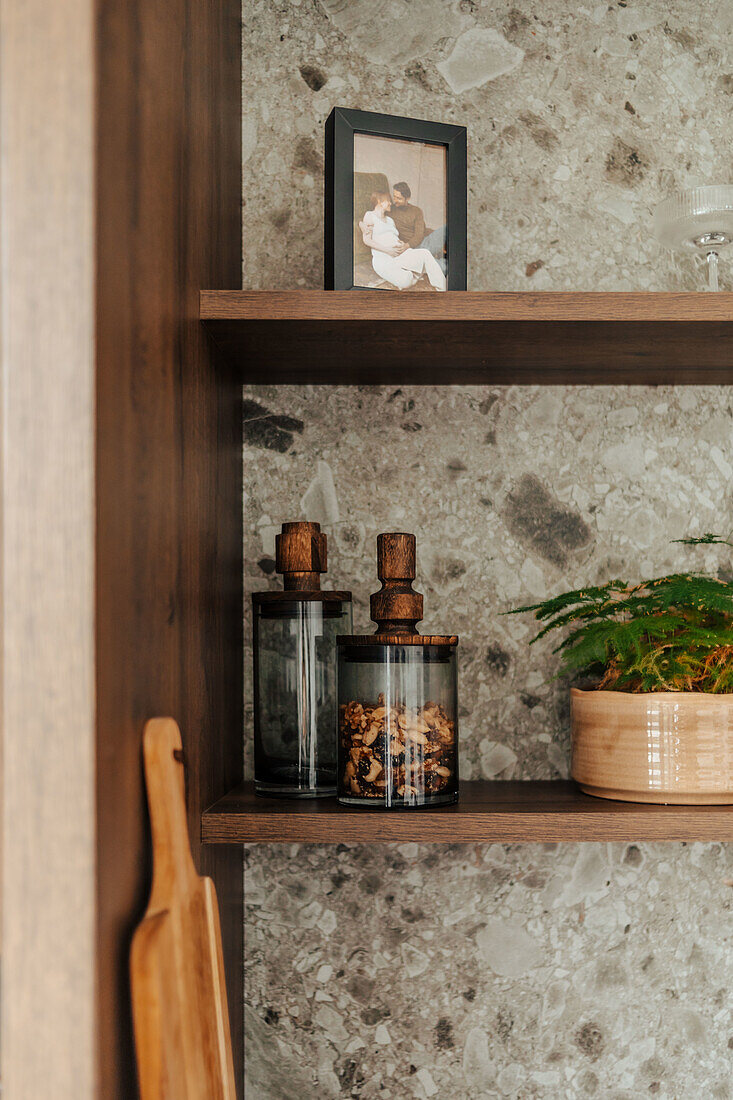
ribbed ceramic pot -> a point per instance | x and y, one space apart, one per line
662 746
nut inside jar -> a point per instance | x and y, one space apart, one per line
394 752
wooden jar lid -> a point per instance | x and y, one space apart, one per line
397 639
397 608
319 596
300 556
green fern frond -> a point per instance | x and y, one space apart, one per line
582 596
707 539
671 633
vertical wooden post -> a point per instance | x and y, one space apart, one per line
168 462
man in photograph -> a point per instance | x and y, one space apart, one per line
410 223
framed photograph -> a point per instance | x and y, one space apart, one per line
395 215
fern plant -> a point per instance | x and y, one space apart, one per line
673 633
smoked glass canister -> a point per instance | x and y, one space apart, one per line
397 693
295 671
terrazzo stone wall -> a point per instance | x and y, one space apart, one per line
515 971
580 118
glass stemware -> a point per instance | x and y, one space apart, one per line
698 220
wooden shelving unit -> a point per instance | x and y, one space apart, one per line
487 812
370 337
311 337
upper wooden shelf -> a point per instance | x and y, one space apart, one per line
487 812
379 337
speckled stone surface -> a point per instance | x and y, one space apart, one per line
522 971
489 971
514 494
580 117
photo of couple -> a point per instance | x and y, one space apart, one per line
399 214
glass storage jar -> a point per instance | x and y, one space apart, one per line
398 709
295 671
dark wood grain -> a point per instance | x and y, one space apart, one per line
301 555
168 472
396 608
396 639
486 812
273 596
383 338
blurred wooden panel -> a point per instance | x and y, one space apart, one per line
47 331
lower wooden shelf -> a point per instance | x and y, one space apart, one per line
508 812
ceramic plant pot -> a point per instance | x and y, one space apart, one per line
663 746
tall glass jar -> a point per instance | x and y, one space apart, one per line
295 633
398 706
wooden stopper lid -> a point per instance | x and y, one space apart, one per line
301 556
396 608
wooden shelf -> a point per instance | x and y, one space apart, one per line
377 337
510 812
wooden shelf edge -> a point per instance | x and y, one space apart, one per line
310 337
488 812
367 305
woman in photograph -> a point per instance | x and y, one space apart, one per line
392 259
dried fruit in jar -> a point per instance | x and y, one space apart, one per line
396 750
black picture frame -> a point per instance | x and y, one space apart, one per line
341 126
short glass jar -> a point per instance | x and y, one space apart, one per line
295 702
398 737
398 705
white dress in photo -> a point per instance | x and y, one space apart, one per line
404 270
